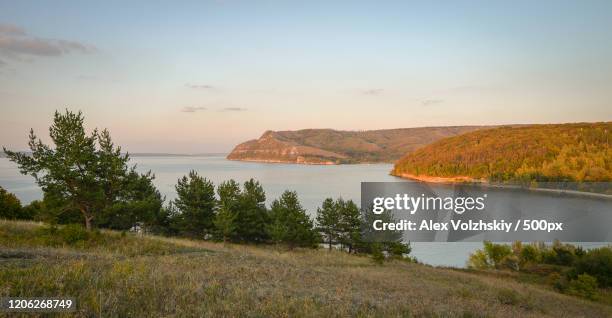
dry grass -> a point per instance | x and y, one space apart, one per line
183 278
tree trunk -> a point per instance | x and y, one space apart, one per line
88 222
87 217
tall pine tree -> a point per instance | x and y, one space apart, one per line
195 204
290 224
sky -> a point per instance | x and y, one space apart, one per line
203 76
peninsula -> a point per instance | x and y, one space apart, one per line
328 146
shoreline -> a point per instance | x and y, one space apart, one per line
328 163
484 183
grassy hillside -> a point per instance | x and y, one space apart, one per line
563 152
122 275
327 146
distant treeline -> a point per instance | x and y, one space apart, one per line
86 180
536 153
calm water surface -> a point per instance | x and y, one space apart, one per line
312 183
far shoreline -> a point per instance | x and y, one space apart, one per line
465 180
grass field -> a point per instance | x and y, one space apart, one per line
123 275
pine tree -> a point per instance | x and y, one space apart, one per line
328 221
225 219
290 223
195 204
81 172
225 223
251 213
350 224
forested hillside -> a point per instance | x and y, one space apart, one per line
328 146
559 152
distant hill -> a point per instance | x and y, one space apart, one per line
558 152
328 146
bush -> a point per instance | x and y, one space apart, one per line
597 263
530 254
73 233
10 206
492 256
496 253
398 249
584 285
479 260
377 254
510 262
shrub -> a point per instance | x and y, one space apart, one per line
597 263
492 256
73 233
584 285
479 260
530 255
398 249
510 262
496 252
10 206
377 254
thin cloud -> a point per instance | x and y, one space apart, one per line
373 91
16 43
431 102
200 86
233 109
191 109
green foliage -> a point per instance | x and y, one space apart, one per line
398 250
479 260
251 213
496 253
389 242
569 268
10 207
195 204
584 285
290 224
531 154
83 172
339 222
141 204
493 256
328 221
377 253
350 225
529 254
597 263
71 234
225 222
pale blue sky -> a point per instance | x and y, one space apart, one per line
202 76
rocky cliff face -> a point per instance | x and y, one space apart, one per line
327 146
